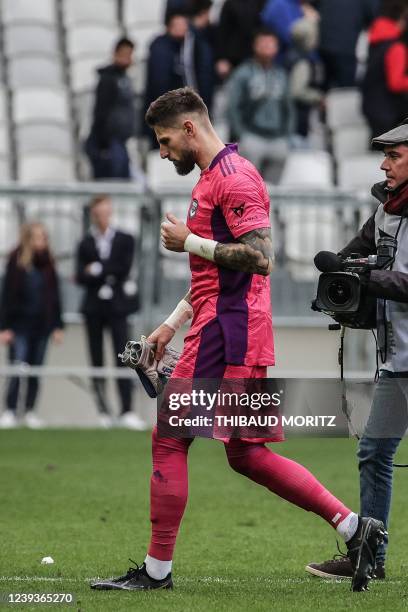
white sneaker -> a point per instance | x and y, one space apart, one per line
105 421
32 421
130 420
8 420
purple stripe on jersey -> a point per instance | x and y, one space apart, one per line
226 166
232 308
223 168
223 163
232 165
229 164
229 148
210 361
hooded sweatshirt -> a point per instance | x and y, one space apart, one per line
385 85
114 111
396 56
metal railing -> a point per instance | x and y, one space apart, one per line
303 222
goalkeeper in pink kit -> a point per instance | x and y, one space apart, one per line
228 238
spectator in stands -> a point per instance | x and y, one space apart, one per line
385 85
30 312
104 262
176 6
280 16
204 40
114 117
239 19
260 111
178 58
305 82
340 26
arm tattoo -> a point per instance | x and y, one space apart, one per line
253 253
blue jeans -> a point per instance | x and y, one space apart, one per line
26 348
386 426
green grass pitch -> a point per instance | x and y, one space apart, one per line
82 498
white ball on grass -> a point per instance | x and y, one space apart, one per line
47 560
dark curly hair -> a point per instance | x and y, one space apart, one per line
166 109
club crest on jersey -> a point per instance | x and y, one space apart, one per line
193 208
238 210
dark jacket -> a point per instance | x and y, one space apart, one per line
204 59
390 287
239 20
385 85
389 284
115 272
175 63
163 72
342 21
30 300
114 115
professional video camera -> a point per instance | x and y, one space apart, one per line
341 292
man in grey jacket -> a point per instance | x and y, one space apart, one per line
388 419
259 113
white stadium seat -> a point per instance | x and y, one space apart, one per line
162 176
360 172
343 107
40 103
143 11
84 74
309 229
90 11
43 11
83 103
4 140
39 71
309 169
305 224
350 140
9 226
30 38
43 137
91 40
45 168
3 105
143 36
4 169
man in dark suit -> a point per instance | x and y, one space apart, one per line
104 261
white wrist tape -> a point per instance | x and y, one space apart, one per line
182 313
203 247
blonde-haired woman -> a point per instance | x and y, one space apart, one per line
30 311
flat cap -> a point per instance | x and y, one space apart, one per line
396 136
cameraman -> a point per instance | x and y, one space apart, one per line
388 417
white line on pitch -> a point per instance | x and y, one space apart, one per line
182 580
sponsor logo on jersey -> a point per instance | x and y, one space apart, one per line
241 221
193 208
238 210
